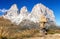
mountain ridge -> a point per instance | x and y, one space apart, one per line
34 15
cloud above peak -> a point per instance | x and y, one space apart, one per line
3 10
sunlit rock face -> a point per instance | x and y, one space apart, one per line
37 10
12 13
24 12
23 15
40 9
34 16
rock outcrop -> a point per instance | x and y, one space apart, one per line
15 17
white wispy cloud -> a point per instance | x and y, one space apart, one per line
3 10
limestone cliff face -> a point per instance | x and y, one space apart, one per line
15 17
40 9
12 13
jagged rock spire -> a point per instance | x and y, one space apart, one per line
13 7
23 10
12 12
34 15
39 9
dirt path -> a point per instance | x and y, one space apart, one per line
35 38
55 36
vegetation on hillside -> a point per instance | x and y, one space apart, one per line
24 30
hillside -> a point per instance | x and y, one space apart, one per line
5 22
9 30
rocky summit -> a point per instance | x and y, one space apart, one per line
17 16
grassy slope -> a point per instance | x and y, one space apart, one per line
9 30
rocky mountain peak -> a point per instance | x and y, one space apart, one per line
23 10
34 15
11 13
13 7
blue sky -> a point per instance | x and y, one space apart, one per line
52 4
